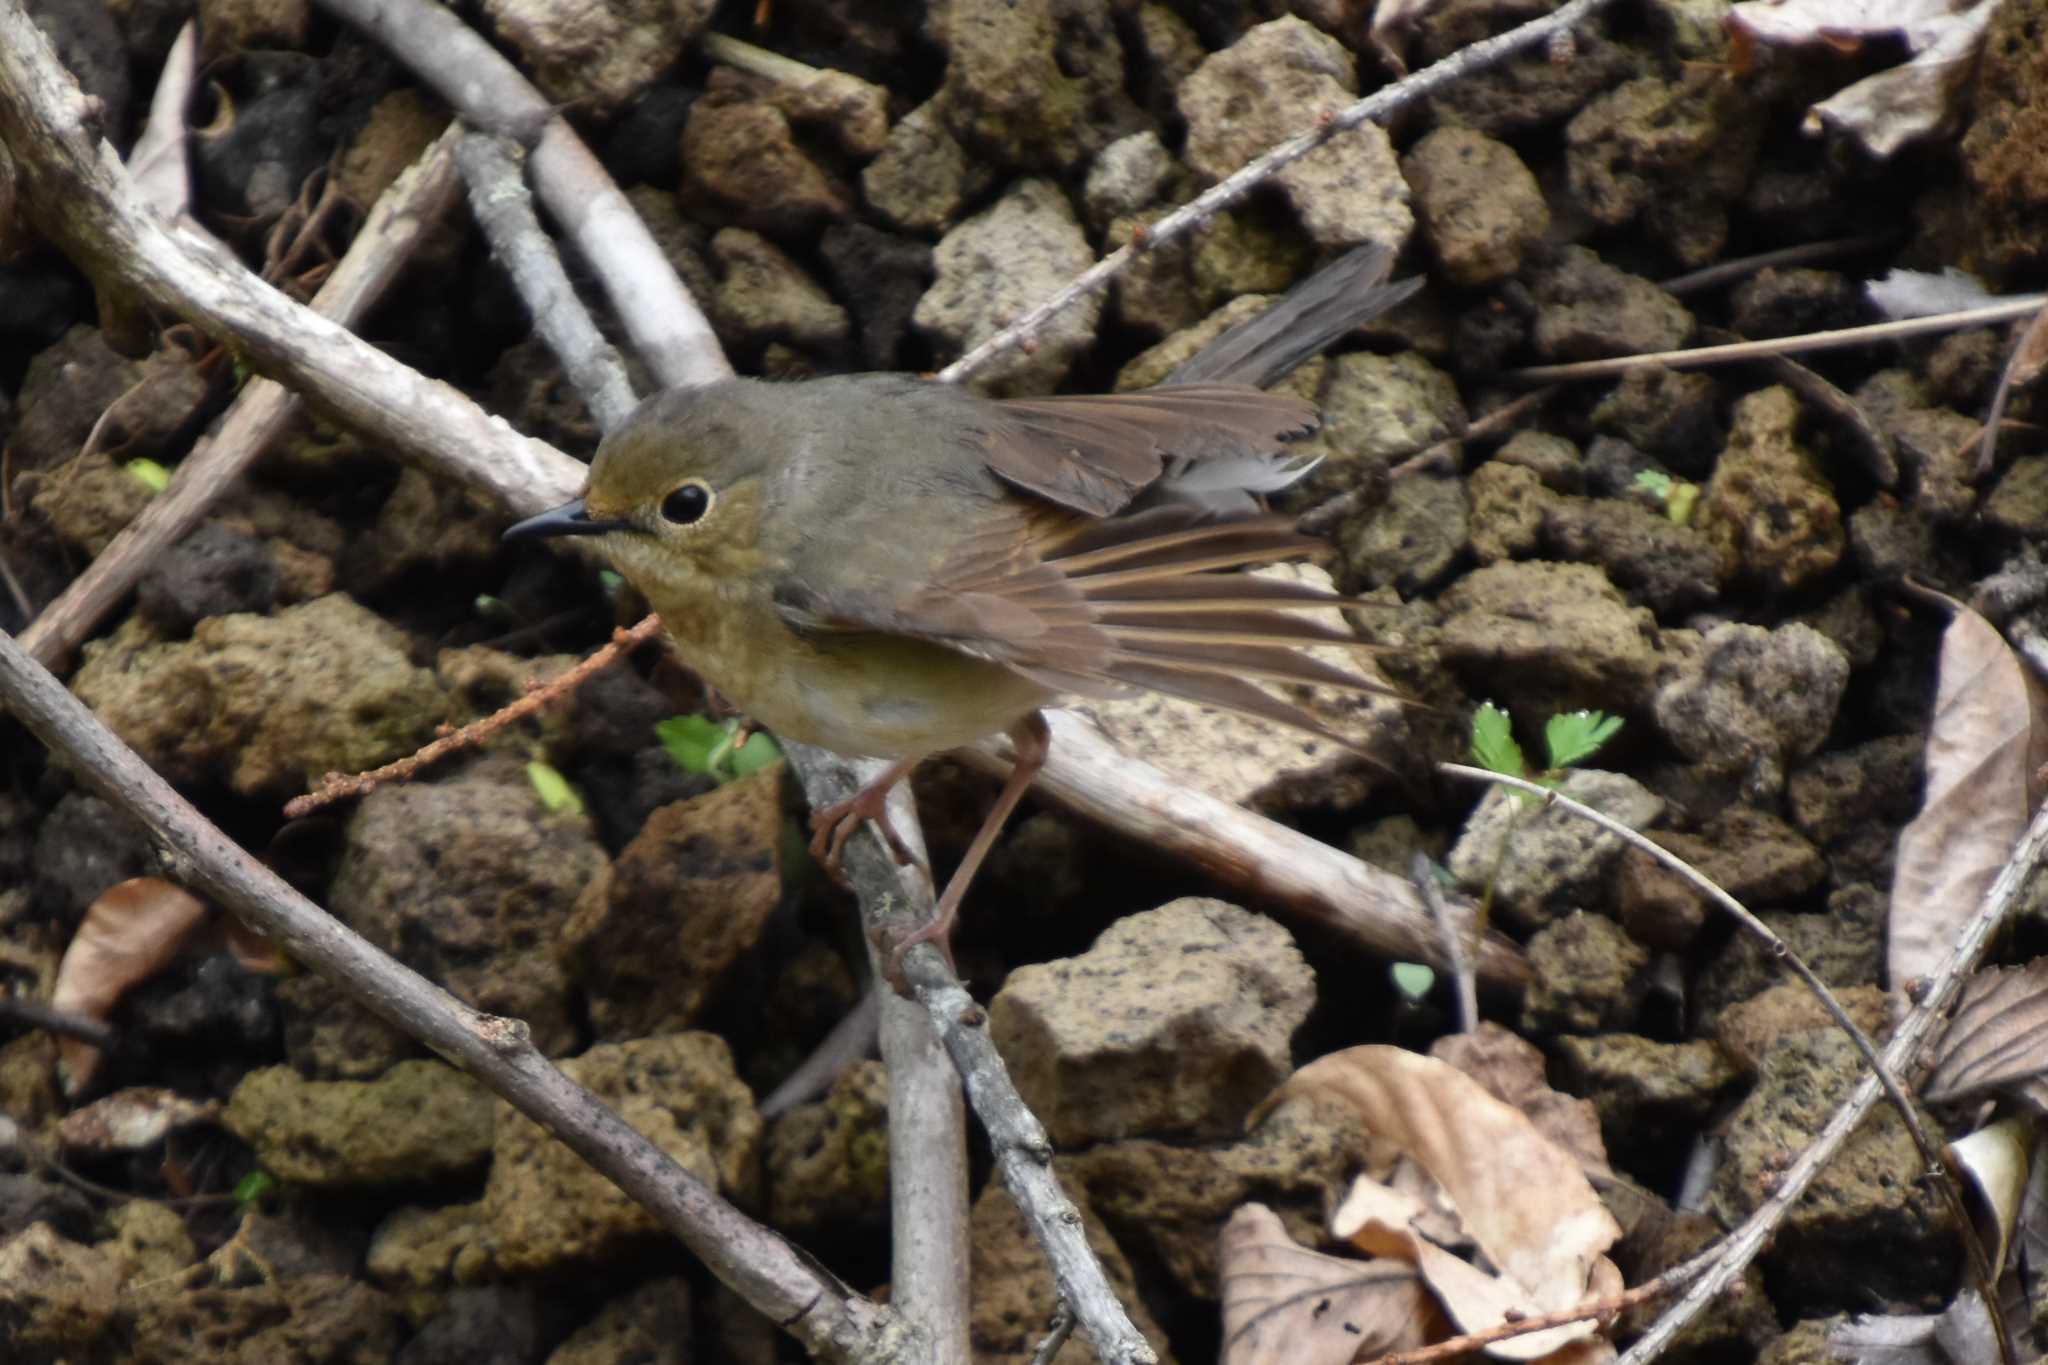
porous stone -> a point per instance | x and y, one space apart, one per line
469 880
1036 84
1768 511
1266 87
265 703
1541 638
999 263
663 930
1541 863
1588 309
1751 700
1480 207
598 57
420 1122
548 1210
1174 1023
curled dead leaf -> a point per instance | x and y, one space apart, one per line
127 936
1284 1304
1988 739
1997 1039
1521 1197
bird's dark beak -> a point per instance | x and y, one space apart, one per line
570 519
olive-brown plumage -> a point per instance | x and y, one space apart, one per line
889 567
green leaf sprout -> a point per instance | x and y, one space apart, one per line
699 744
149 474
553 789
1493 742
1577 735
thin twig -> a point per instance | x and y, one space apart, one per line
2003 311
504 210
1602 1310
67 1023
1742 1245
339 786
1933 1155
260 411
1806 253
1930 1151
1382 103
667 327
1422 872
1022 1151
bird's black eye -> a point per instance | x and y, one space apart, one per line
687 503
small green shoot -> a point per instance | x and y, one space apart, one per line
1493 742
1678 496
1577 735
553 789
149 474
1570 738
253 1188
699 744
1413 980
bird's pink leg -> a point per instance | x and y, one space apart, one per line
1033 741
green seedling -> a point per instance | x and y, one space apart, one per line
699 744
1413 980
252 1189
1569 738
1678 496
149 474
553 789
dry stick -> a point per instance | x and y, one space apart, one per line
1742 1245
1205 206
81 199
504 210
2003 311
666 325
1806 253
1602 1309
1931 1152
339 786
1282 867
259 413
764 1269
1422 872
1023 1152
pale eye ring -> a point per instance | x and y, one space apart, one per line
687 503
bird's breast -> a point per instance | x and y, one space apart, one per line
858 693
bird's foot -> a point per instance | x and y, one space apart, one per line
937 931
833 825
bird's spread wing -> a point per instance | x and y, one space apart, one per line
1102 607
1098 453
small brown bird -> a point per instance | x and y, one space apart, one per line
889 567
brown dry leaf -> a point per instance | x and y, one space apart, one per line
1513 1071
1284 1304
1997 1039
1988 739
127 936
1521 1197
